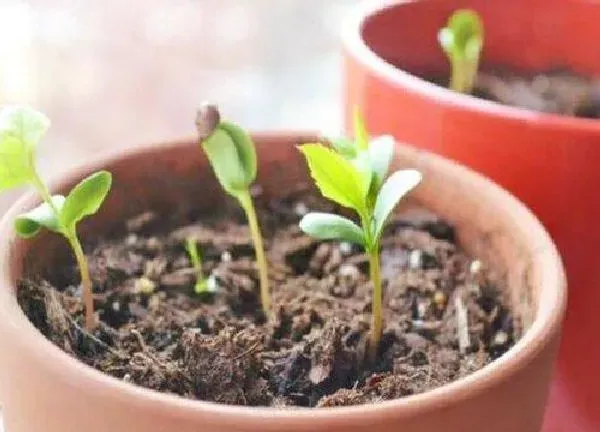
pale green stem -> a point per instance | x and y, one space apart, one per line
464 72
44 193
372 249
261 260
376 313
196 260
456 76
71 236
86 281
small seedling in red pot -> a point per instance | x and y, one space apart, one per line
353 174
232 155
462 41
21 129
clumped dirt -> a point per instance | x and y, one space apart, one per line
557 92
155 332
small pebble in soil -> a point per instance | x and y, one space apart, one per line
346 248
475 267
212 284
440 299
153 244
349 273
500 338
300 209
226 256
415 259
256 190
144 285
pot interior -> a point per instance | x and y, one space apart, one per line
176 181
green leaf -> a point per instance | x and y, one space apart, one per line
326 226
21 128
15 169
335 176
361 136
245 149
86 198
344 146
446 40
29 224
394 188
23 123
381 152
362 163
473 50
226 162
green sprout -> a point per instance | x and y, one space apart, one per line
353 174
232 155
21 129
462 41
202 284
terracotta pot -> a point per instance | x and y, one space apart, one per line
548 161
44 389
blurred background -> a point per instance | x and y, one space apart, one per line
113 73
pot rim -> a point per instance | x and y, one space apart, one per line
356 47
547 322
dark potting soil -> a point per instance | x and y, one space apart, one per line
444 315
557 92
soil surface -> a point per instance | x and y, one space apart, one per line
444 316
557 92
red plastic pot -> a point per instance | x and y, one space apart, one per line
551 162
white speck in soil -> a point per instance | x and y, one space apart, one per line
300 208
422 309
226 256
212 285
415 259
345 248
144 285
500 338
475 267
349 271
131 239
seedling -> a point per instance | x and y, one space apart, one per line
21 129
232 155
462 41
202 285
352 174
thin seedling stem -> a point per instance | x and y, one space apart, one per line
86 281
376 314
261 260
